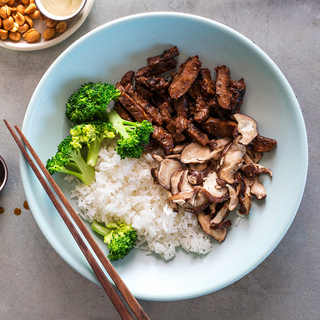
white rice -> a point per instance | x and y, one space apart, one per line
124 191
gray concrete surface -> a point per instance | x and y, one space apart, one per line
35 283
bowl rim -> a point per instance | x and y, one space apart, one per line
4 165
52 16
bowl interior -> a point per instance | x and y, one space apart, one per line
105 54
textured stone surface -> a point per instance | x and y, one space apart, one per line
35 283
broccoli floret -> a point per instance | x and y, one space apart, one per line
91 135
69 160
119 236
90 102
134 136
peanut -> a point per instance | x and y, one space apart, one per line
49 33
10 2
51 23
35 15
14 36
29 21
23 28
7 23
30 8
15 27
3 34
32 36
61 27
20 19
24 1
21 8
5 12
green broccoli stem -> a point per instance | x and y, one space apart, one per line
120 125
93 150
85 172
100 229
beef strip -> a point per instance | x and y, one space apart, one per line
223 87
166 55
219 128
124 114
184 78
163 138
201 111
127 78
171 127
184 125
181 106
156 69
131 106
207 86
153 83
237 89
166 112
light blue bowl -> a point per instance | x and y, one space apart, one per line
105 54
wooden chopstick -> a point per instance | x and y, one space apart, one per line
130 299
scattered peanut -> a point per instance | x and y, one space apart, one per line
22 29
61 27
32 36
14 36
51 23
17 22
49 33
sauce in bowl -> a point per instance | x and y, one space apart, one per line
62 7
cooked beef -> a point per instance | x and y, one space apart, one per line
131 106
181 106
122 112
202 111
177 136
219 128
166 55
127 78
153 83
181 124
184 78
163 138
166 112
263 144
156 69
223 87
207 86
237 89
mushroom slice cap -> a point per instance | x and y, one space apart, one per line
204 222
184 195
233 202
166 169
156 157
219 147
174 181
221 215
218 193
247 127
232 161
195 153
258 189
184 184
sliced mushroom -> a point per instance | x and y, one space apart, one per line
247 127
233 197
218 193
174 181
221 215
219 147
157 157
232 162
184 184
195 153
185 195
251 169
173 205
263 144
258 189
245 205
167 168
204 222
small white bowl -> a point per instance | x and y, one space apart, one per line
3 173
42 7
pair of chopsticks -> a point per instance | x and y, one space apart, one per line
114 297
